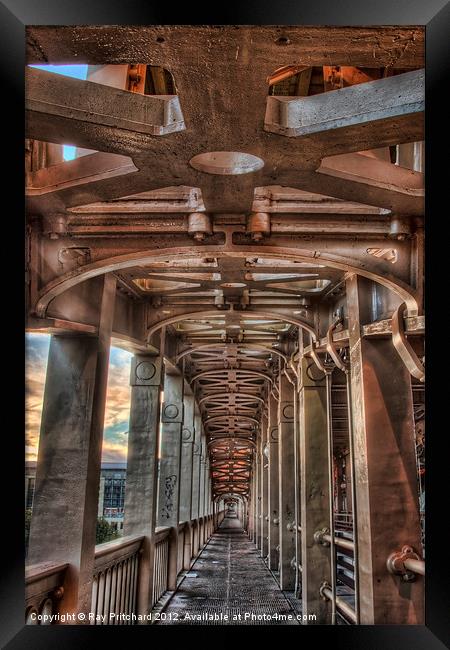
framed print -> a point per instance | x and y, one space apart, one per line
225 402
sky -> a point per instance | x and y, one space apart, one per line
77 71
117 399
37 345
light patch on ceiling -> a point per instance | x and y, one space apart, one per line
269 261
226 163
190 262
197 275
148 284
277 276
310 286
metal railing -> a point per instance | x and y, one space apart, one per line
341 605
115 580
160 564
343 520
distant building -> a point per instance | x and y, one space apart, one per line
111 493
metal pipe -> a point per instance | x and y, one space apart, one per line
339 541
406 563
341 604
416 566
353 493
331 500
296 485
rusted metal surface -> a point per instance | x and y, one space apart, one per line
229 578
385 468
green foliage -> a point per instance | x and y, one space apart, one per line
104 532
27 526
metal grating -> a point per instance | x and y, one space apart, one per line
232 580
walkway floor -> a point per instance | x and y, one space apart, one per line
229 584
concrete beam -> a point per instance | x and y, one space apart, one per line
64 110
384 101
355 176
227 46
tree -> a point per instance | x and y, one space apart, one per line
27 527
104 532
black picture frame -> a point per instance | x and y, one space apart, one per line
15 15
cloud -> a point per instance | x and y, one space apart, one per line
36 355
117 398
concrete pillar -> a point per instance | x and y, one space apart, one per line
142 466
65 506
274 501
206 502
187 459
314 490
286 467
264 487
385 474
258 494
201 507
196 464
208 486
170 465
254 527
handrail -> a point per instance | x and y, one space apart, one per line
44 588
118 548
341 605
161 533
323 537
406 563
35 572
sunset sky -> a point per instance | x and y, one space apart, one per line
118 396
117 400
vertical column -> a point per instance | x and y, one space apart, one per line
251 501
68 469
258 493
314 490
187 459
201 506
208 486
142 466
196 464
264 487
286 468
169 467
274 501
387 510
